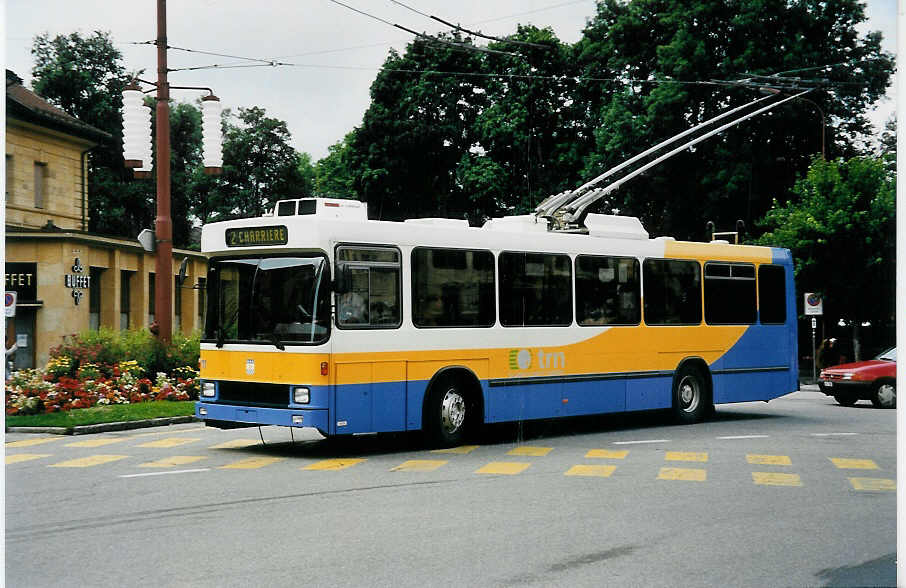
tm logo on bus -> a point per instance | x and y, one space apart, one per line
523 359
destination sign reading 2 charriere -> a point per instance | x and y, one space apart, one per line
250 236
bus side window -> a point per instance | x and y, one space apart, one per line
772 294
672 292
607 290
373 298
729 293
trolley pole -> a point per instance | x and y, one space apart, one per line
163 225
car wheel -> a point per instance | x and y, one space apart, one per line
884 395
845 400
691 401
447 413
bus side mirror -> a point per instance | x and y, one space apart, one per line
341 283
181 276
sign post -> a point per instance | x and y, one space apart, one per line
814 306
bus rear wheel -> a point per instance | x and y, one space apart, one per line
447 413
691 399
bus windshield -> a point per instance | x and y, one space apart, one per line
269 300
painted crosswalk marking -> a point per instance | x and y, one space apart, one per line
170 442
776 479
528 450
507 468
419 465
235 444
684 474
94 442
685 456
854 464
607 453
252 463
87 462
31 442
462 450
758 459
20 457
334 464
599 471
874 484
173 461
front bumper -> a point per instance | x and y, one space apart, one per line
858 388
256 415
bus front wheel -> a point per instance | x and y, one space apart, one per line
447 413
691 400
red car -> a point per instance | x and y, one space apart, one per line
875 380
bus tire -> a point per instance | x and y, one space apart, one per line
447 412
691 396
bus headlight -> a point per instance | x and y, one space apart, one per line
208 389
301 395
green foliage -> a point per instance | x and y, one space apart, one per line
334 174
840 225
103 414
106 348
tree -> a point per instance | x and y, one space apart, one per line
840 225
260 166
333 174
307 174
648 67
85 77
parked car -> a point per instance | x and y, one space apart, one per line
875 380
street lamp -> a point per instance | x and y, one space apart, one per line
137 153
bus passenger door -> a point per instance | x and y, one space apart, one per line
370 396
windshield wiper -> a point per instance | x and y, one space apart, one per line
276 341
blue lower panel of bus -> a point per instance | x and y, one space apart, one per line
364 408
311 417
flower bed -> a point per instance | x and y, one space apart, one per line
80 374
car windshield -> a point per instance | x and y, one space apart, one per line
271 300
889 355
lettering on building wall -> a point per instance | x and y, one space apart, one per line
23 279
77 282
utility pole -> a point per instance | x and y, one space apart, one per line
163 225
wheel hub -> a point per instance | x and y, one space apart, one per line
453 411
689 394
887 394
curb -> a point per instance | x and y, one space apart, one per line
105 427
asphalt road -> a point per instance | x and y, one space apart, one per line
798 492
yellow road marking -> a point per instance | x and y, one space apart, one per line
685 456
600 471
854 464
458 450
235 444
170 442
251 463
334 464
20 457
530 451
775 479
95 442
173 460
608 453
87 462
687 475
419 465
503 467
30 442
758 459
879 484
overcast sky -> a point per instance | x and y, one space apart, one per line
337 52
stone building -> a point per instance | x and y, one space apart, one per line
66 279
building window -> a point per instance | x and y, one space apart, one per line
94 298
607 291
202 298
150 298
672 292
177 303
452 288
40 184
125 298
535 289
9 177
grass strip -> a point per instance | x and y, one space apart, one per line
104 414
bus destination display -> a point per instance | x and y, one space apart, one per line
250 236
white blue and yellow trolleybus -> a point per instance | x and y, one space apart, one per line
318 317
